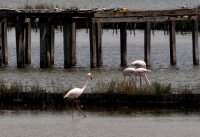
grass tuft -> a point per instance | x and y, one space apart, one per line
19 87
116 86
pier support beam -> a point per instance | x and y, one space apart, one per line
123 44
195 47
93 46
172 39
69 33
27 41
52 42
99 44
4 41
45 43
1 46
20 47
147 43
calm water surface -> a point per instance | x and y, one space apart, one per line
182 74
101 123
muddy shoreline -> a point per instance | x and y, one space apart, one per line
30 100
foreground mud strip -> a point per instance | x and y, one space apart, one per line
30 100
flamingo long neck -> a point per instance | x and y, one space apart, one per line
85 85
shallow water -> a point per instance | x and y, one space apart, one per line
100 123
182 74
56 79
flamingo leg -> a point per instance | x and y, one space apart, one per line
135 80
129 79
140 81
73 107
124 78
132 80
79 109
146 79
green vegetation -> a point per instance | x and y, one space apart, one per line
19 87
112 87
116 86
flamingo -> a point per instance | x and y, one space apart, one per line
129 72
76 92
138 64
137 72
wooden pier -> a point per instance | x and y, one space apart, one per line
24 20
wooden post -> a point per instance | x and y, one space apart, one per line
69 32
52 42
93 56
99 44
20 47
27 42
1 45
195 47
67 45
123 44
45 57
4 42
147 43
172 36
73 43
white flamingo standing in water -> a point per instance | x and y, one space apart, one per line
76 92
137 72
139 64
129 72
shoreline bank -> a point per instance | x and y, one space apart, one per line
29 100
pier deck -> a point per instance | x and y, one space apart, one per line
47 19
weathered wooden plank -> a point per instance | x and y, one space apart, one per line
147 43
146 13
172 38
140 19
131 19
195 46
46 14
123 44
